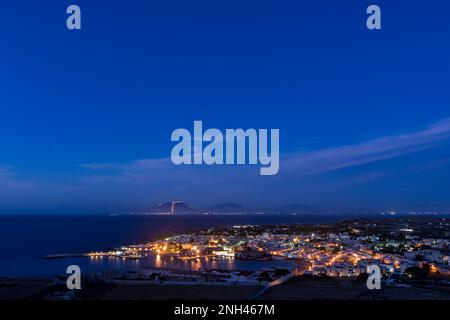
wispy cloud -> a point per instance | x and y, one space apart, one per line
8 179
144 164
298 164
151 180
5 173
369 151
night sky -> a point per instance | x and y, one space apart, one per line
86 116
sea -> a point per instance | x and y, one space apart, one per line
25 239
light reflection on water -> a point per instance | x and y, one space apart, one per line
111 264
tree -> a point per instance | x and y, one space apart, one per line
362 277
420 257
417 273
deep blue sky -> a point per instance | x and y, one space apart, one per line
86 115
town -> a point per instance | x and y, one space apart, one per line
405 249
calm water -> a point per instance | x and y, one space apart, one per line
25 239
